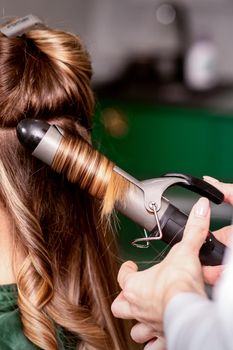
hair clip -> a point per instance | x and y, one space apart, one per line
20 26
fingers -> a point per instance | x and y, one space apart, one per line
224 234
197 225
156 344
126 269
141 333
210 179
226 189
121 308
212 273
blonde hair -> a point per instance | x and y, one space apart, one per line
94 173
68 278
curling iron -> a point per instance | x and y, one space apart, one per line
145 203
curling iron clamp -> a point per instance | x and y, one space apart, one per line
144 203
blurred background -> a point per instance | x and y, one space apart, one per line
163 78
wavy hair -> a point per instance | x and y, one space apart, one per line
68 278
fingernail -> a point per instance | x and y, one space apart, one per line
210 179
202 207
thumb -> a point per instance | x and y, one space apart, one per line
197 226
126 269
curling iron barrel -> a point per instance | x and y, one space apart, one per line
144 202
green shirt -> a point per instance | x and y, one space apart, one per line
11 334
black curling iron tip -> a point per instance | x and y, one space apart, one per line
30 132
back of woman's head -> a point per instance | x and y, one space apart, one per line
68 275
44 73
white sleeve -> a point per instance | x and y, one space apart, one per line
192 322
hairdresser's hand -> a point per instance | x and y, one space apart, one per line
212 273
226 189
158 344
143 333
145 294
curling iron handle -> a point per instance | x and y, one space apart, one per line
173 223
